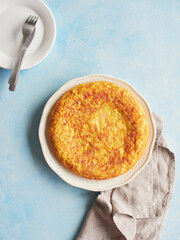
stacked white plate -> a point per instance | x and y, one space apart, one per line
13 14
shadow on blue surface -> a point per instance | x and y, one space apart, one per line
4 77
89 204
35 144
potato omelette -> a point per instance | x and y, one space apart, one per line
98 130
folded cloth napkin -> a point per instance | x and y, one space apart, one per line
136 210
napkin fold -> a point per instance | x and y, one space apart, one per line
136 210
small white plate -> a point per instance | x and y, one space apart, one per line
66 174
13 14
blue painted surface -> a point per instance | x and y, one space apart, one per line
138 41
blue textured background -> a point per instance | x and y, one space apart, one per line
138 41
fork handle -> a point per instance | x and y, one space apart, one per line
16 70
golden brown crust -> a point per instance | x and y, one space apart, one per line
98 130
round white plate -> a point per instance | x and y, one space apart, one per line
66 174
13 14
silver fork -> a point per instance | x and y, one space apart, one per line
28 31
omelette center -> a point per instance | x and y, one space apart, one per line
109 129
98 130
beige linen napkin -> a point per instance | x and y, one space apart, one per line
136 210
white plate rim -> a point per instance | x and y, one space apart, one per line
8 65
50 158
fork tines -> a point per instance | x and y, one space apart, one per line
32 19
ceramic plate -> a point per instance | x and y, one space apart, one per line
13 14
66 174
